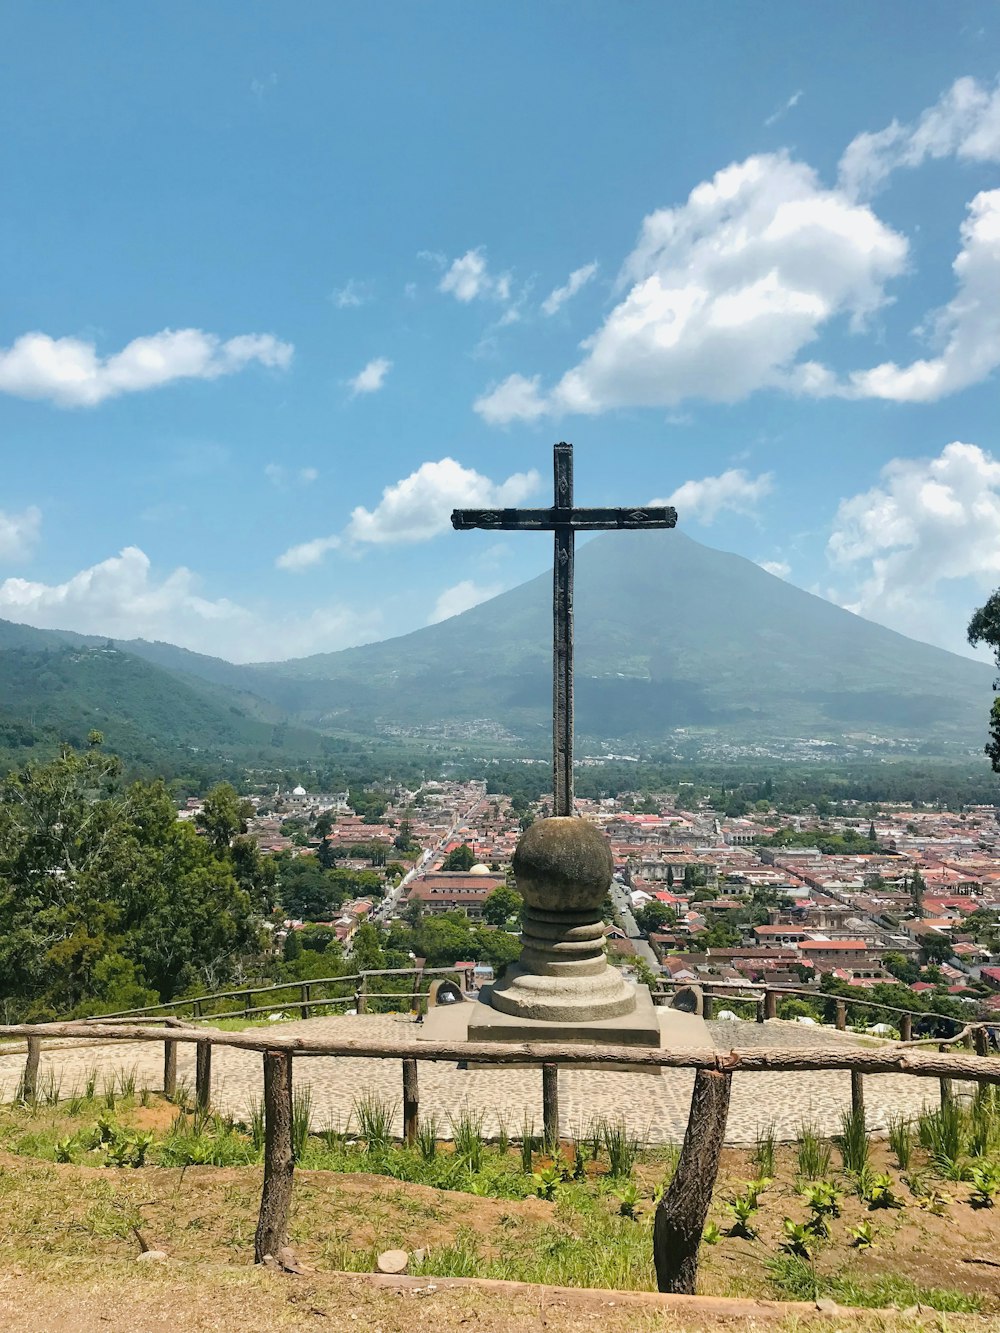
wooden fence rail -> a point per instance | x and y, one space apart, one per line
678 1221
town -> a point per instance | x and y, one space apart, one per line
864 898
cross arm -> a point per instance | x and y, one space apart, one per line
579 520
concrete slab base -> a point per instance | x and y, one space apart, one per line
648 1028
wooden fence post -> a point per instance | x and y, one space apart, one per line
411 1102
707 1002
857 1093
196 1008
982 1041
29 1079
203 1075
681 1212
770 1004
360 995
906 1027
550 1106
945 1083
279 1159
169 1068
247 1003
841 1018
760 1007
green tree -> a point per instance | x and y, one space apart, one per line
224 815
984 627
500 905
460 858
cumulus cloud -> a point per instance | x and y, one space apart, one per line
779 568
578 278
19 532
724 293
469 278
123 598
929 523
734 490
967 328
461 597
372 378
70 373
417 509
964 122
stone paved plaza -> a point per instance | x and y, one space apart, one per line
655 1106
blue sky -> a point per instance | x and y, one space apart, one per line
281 285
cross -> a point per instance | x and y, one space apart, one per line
563 521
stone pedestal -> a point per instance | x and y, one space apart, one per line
563 988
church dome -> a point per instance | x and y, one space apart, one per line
298 791
479 869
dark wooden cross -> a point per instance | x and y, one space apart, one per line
563 520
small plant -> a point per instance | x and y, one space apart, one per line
813 1154
375 1115
64 1149
546 1182
941 1131
755 1188
90 1083
467 1132
130 1150
503 1134
798 1239
862 1236
622 1148
628 1200
579 1161
126 1082
145 1096
711 1235
853 1141
52 1089
301 1117
763 1153
428 1132
823 1198
901 1140
256 1124
527 1144
74 1105
985 1178
110 1093
876 1189
951 1168
743 1209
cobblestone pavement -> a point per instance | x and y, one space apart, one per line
654 1105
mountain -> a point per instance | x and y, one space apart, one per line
670 635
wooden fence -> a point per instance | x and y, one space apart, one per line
680 1213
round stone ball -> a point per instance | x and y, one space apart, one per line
563 864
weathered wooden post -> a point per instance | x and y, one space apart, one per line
169 1068
247 1003
550 1106
906 1027
857 1093
279 1159
841 1015
680 1214
945 1083
760 1010
411 1102
305 997
708 1000
982 1041
203 1075
361 994
29 1079
770 1004
196 1008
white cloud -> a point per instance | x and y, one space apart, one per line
351 295
964 122
578 278
19 532
784 109
122 598
734 490
283 477
306 554
372 378
469 277
69 372
461 597
726 291
417 509
929 523
967 328
779 568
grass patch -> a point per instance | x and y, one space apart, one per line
797 1279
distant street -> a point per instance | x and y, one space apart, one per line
623 908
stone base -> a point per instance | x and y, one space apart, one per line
640 1027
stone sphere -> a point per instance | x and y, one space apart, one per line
563 864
